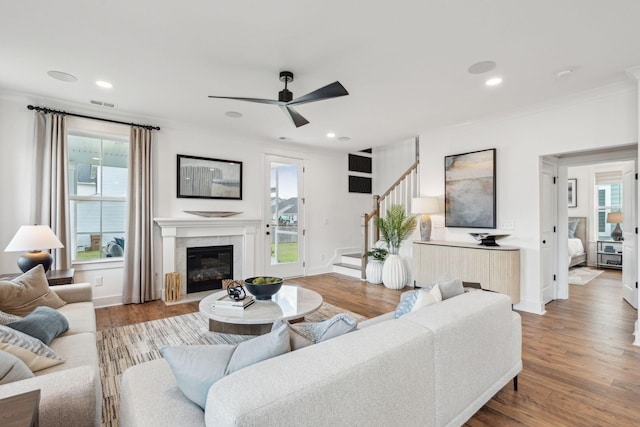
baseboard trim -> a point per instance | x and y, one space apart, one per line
100 302
530 307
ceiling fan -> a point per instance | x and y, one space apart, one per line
286 101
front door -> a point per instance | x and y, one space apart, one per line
285 217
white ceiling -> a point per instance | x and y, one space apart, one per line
404 63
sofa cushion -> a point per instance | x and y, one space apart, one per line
8 318
197 367
12 369
43 323
81 317
33 352
20 296
308 333
451 288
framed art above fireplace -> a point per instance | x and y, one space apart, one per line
470 189
204 178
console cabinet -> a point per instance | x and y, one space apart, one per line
496 268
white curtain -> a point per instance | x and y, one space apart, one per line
51 195
138 246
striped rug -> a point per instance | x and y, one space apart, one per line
125 346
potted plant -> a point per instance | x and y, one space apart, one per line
394 228
374 265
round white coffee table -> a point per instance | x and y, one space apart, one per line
291 302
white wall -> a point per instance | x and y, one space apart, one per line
584 202
605 117
390 162
332 213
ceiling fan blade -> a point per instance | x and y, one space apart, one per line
296 117
258 100
332 90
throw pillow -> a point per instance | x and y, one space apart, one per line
33 352
305 334
407 301
8 318
451 288
43 323
20 296
426 298
197 367
573 225
12 369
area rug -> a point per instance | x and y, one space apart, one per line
125 346
582 275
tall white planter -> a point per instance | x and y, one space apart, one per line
394 272
374 271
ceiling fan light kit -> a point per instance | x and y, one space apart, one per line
285 97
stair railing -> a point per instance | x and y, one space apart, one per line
400 193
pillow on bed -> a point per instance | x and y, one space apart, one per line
573 225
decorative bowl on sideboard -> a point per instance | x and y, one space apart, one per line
266 287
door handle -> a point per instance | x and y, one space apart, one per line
544 242
268 233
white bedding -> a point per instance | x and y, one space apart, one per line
575 248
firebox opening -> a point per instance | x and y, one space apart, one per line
207 266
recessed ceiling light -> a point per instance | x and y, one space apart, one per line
233 114
344 139
331 135
482 67
104 84
62 76
495 81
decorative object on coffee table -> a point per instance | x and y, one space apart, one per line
263 287
34 238
235 290
394 228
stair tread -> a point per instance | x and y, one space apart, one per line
351 266
353 255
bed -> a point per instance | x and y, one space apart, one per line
577 244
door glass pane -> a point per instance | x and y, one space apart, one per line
284 213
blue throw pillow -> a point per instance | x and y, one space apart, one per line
43 323
305 334
197 367
407 301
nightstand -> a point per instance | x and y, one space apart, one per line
609 254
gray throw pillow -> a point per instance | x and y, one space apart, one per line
573 225
43 323
197 367
451 288
12 369
305 334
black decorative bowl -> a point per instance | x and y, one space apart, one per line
263 291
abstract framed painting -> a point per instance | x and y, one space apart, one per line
204 178
572 193
470 189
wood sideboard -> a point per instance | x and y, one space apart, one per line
496 268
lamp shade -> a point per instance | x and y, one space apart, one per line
425 205
614 218
33 238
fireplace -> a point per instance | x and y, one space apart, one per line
207 266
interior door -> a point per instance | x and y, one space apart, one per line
548 246
629 244
285 217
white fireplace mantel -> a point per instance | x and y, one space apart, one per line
195 228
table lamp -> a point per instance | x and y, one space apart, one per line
615 218
425 206
34 238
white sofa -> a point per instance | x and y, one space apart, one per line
434 367
70 393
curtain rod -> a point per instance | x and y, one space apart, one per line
49 110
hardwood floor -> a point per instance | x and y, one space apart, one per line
580 367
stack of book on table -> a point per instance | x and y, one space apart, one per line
225 302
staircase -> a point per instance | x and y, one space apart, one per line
400 193
349 265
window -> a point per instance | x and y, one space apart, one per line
609 200
98 175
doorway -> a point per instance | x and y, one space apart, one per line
284 241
